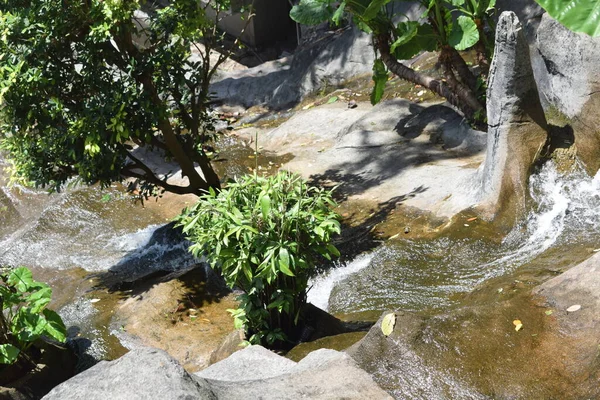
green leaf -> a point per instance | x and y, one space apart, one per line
464 33
388 323
311 12
373 9
21 278
332 100
380 78
54 327
405 31
458 2
333 250
578 16
265 205
39 299
284 262
8 353
338 14
423 40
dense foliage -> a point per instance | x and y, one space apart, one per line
265 235
447 26
87 86
25 318
578 16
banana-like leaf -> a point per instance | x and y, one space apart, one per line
373 8
464 33
311 12
338 14
577 15
380 77
422 40
405 31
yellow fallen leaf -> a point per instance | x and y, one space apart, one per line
388 323
517 322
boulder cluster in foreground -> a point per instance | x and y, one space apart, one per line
252 373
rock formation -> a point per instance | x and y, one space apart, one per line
517 125
252 373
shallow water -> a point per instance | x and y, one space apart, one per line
427 276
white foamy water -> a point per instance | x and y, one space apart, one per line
322 285
566 207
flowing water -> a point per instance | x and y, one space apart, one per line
66 236
456 282
429 275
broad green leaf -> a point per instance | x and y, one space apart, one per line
405 31
464 33
54 327
577 15
380 78
388 323
373 9
39 299
332 100
21 278
311 12
424 40
8 353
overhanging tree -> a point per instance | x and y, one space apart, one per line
86 84
447 26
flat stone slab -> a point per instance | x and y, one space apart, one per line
423 155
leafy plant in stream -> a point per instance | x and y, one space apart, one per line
265 234
24 317
578 16
447 26
87 88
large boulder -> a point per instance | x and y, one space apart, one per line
144 373
570 83
517 130
277 84
323 374
252 373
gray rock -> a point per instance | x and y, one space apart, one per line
323 374
143 373
253 363
278 84
517 125
579 285
252 373
569 78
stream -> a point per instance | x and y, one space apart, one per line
67 237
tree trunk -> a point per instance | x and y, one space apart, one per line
463 98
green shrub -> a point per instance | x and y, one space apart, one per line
24 317
265 235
